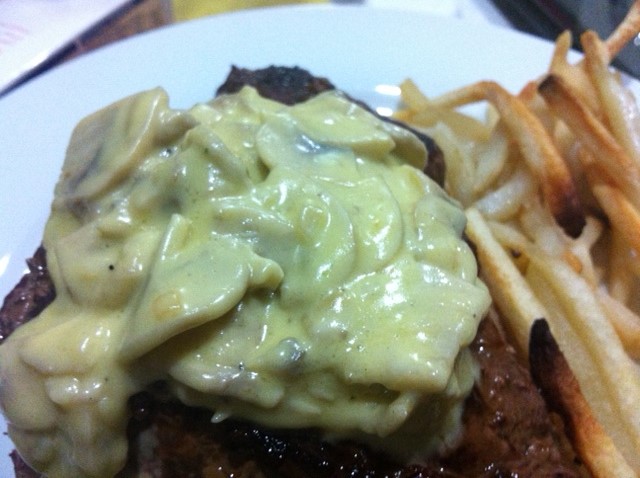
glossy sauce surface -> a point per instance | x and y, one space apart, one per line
287 265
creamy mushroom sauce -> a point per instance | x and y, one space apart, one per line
288 265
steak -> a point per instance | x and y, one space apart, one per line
291 85
288 85
509 430
27 299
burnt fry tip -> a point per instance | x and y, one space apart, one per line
547 82
571 218
542 347
549 368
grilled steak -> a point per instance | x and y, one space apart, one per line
508 429
32 294
290 85
283 84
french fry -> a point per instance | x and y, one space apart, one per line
620 275
608 376
568 139
521 305
624 321
620 109
462 96
504 202
413 97
537 148
611 158
508 288
622 214
574 74
422 112
625 31
459 162
491 159
539 226
552 374
560 52
582 247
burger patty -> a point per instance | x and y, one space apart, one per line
508 432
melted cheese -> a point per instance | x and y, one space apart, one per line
287 265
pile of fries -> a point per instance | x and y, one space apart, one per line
550 180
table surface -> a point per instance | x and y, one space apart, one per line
137 17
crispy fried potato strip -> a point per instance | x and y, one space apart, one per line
626 31
552 374
536 147
620 110
550 181
611 160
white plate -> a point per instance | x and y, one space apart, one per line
358 48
